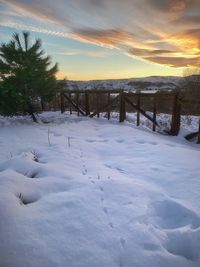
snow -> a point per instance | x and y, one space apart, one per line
90 192
147 84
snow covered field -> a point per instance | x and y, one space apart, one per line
81 192
154 83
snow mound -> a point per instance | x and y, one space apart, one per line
26 164
98 194
172 215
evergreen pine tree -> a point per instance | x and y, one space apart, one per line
26 75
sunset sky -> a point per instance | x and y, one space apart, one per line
101 39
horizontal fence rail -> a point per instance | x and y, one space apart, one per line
93 102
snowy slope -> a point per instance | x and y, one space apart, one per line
156 83
92 193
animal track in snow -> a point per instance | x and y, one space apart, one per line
108 166
27 199
102 199
121 263
111 224
32 174
56 134
152 143
121 170
128 203
101 188
150 247
96 140
155 169
105 210
122 242
119 140
142 142
171 145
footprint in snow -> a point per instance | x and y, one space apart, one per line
96 141
155 169
184 243
101 188
140 142
102 199
121 170
108 166
122 241
121 263
105 210
150 246
119 140
128 203
171 145
57 134
176 172
27 199
111 224
153 143
90 140
169 214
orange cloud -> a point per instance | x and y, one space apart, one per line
111 38
188 42
176 62
152 30
178 5
174 6
187 20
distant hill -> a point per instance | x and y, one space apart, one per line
154 83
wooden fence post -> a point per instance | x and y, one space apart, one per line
122 111
87 103
97 103
198 136
108 106
154 114
62 102
70 106
176 116
138 112
77 103
42 104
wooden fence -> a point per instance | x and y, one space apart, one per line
93 102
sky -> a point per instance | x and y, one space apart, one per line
110 39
